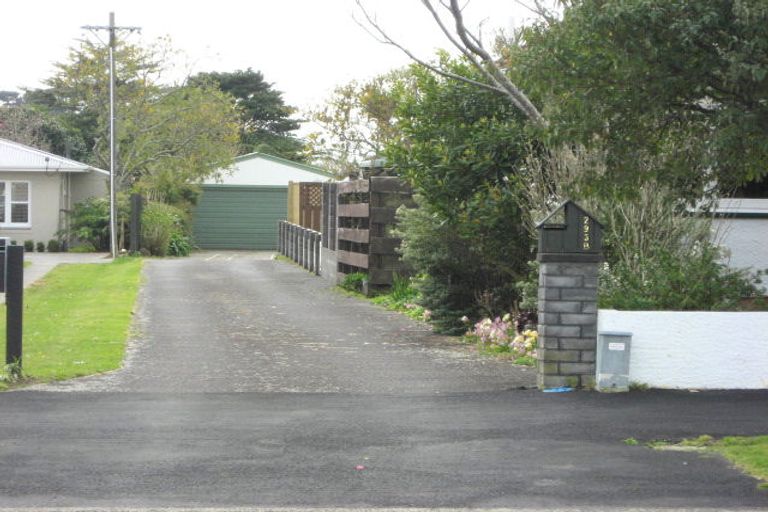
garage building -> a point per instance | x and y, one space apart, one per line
242 209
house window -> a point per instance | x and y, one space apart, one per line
14 203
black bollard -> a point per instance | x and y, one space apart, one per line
14 302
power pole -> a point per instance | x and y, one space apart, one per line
112 126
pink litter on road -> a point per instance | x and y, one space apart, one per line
359 467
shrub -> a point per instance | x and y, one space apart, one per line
29 245
160 224
54 246
503 335
83 248
354 282
470 262
696 280
89 221
179 245
40 247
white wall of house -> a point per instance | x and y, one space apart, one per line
87 185
48 200
44 206
743 231
259 170
694 349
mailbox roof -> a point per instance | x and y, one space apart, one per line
562 206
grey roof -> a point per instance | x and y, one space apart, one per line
19 157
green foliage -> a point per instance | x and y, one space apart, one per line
89 223
29 245
265 119
356 122
697 281
85 247
169 137
54 246
528 288
179 245
161 226
675 82
403 297
34 126
460 148
354 282
402 291
40 246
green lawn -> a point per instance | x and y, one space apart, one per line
76 319
748 453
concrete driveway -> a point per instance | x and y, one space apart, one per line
250 383
238 321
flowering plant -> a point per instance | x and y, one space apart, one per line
502 335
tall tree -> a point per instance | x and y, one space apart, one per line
682 84
266 121
27 125
356 122
169 138
461 148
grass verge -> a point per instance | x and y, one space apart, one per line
504 353
749 454
76 320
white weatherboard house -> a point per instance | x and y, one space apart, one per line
741 225
38 189
242 210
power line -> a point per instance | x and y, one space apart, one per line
112 29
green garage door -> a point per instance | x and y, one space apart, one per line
239 216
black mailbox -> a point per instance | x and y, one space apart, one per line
569 233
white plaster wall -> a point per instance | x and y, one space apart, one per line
746 241
45 190
87 185
261 171
694 349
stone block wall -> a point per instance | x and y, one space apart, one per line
567 324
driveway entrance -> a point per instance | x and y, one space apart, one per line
250 383
239 321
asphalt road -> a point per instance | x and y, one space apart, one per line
250 384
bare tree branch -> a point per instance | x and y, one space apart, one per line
471 47
515 94
384 38
539 10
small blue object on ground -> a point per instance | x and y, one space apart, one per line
561 389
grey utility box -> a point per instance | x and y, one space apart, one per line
613 350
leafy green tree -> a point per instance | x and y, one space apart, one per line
356 122
27 125
266 121
677 83
168 138
461 148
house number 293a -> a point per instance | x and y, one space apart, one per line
586 240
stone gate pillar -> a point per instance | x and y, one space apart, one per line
570 251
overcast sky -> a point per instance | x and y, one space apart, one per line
305 47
